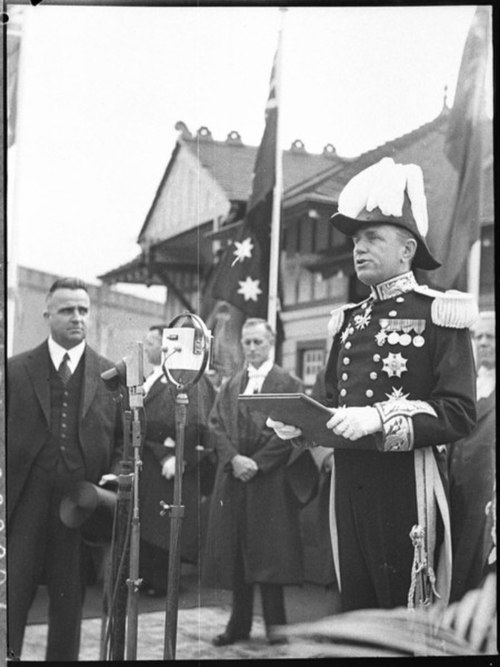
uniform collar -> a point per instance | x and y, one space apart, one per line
401 284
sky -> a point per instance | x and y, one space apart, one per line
101 89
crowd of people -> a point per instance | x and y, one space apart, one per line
405 493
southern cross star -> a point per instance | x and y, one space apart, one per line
243 250
249 289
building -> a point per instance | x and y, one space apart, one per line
201 201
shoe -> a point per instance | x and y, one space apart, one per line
225 639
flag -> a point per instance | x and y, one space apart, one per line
465 145
242 276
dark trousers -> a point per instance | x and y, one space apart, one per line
273 606
41 548
153 566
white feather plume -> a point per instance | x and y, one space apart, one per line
383 186
416 195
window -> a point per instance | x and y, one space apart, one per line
312 360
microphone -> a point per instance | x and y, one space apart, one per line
119 370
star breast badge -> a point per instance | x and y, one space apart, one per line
361 321
394 365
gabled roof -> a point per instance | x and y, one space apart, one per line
231 163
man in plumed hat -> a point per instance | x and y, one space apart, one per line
401 374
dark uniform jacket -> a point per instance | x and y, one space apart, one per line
28 415
264 509
159 407
405 350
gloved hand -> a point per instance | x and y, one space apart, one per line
244 468
355 423
283 431
109 477
168 468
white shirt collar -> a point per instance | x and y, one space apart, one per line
262 370
57 353
485 383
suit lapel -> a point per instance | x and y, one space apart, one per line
91 378
272 382
233 403
39 372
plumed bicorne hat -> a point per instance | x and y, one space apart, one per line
390 194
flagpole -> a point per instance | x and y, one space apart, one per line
474 269
272 307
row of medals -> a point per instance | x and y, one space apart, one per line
395 327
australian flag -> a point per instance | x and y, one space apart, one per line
242 276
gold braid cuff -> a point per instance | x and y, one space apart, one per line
396 416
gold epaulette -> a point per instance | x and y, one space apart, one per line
337 316
454 309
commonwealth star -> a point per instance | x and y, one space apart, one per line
243 250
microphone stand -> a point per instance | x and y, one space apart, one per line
133 582
123 592
176 512
120 553
193 349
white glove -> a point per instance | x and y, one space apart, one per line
283 431
354 423
169 442
168 468
109 477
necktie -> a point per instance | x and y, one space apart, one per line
64 371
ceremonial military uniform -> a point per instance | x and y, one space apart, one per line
406 351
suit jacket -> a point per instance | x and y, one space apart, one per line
263 509
28 418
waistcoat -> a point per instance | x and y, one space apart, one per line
63 443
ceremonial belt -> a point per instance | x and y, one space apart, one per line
425 585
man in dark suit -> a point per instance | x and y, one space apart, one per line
253 532
63 426
156 481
